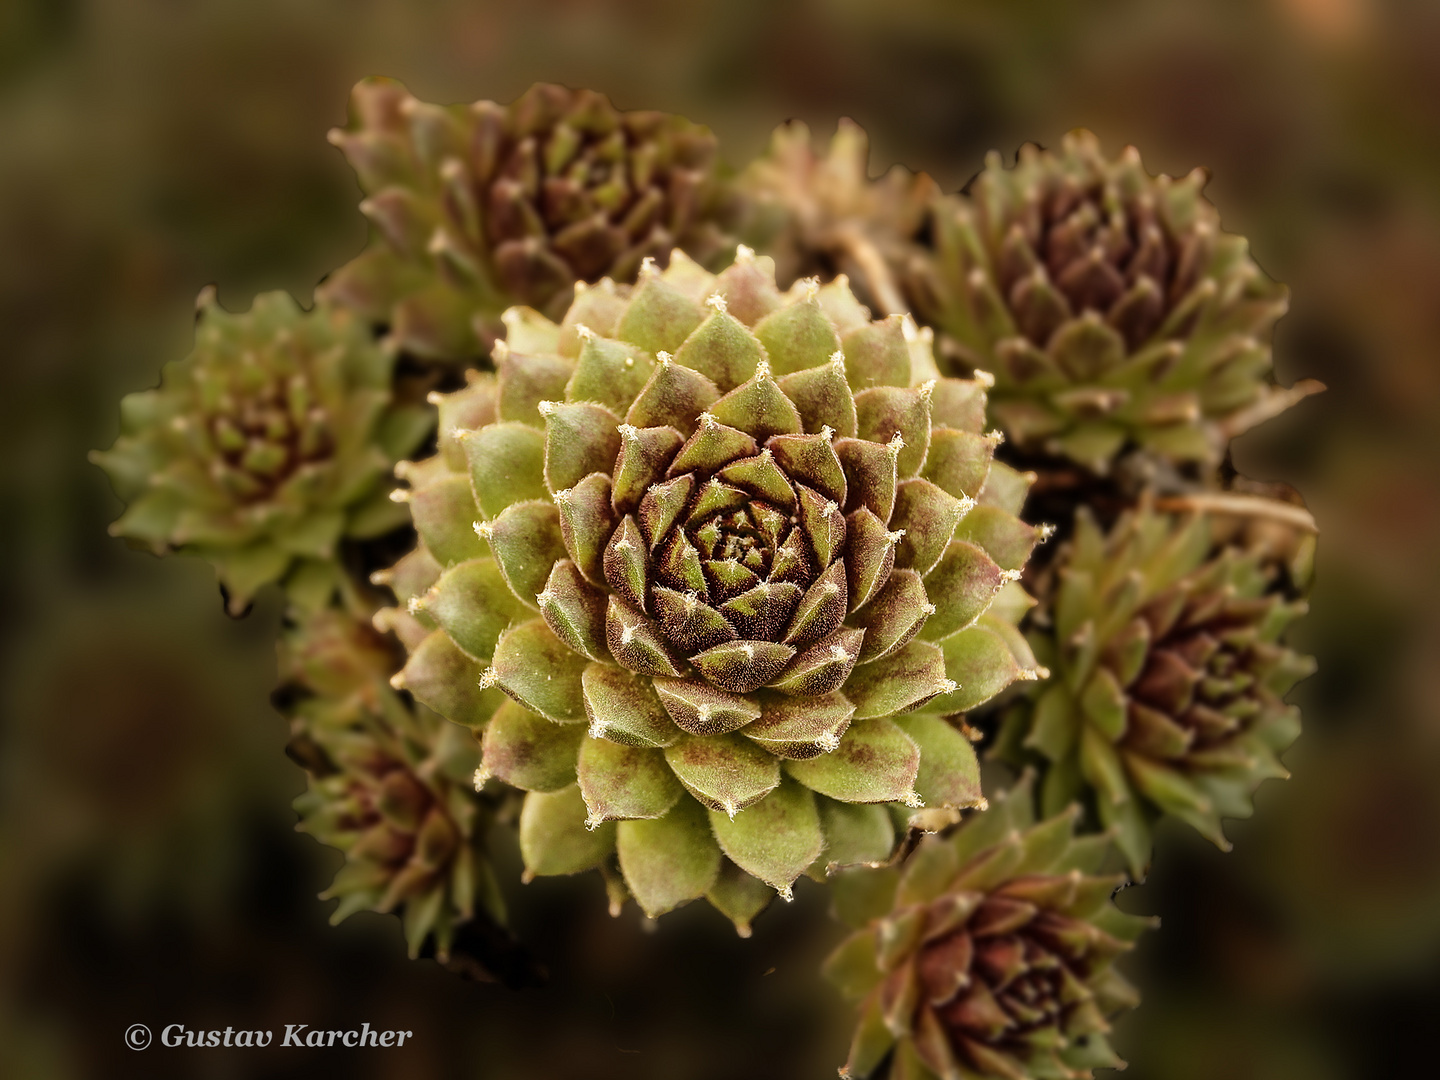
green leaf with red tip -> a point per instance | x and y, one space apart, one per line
886 411
636 642
526 379
586 523
669 861
929 516
799 728
823 398
823 667
553 836
580 439
1008 540
701 709
624 707
527 543
869 556
900 682
776 838
507 465
758 407
876 354
723 350
645 454
743 666
893 617
798 336
527 751
540 671
472 603
962 586
445 679
870 474
659 317
674 397
444 514
622 782
949 773
575 610
610 373
725 772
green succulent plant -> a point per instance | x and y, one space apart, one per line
1170 678
825 216
1107 304
389 785
476 208
711 541
265 447
989 955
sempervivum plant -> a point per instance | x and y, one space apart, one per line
265 446
479 207
734 556
1107 304
826 216
389 785
1170 677
991 956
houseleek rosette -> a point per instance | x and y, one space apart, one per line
711 566
389 785
990 957
1170 678
479 207
1107 303
265 446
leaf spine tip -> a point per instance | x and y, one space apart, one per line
716 301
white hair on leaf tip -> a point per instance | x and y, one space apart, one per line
716 301
482 774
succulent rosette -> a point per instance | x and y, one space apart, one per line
479 207
265 446
991 956
825 216
1108 305
389 785
711 565
1170 678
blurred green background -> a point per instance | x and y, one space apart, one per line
148 867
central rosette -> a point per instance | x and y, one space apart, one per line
734 562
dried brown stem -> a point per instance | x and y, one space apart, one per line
1244 505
